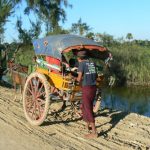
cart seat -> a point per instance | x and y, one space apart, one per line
54 61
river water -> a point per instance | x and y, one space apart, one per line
127 99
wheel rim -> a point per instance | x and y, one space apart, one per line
35 98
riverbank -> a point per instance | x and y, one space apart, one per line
138 84
117 130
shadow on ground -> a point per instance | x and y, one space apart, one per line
115 116
5 84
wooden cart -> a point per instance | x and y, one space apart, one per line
51 76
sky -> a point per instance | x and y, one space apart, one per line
114 17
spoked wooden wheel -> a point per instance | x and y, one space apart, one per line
36 98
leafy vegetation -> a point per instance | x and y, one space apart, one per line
50 11
25 55
133 62
80 28
6 7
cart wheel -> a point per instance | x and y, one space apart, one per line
36 98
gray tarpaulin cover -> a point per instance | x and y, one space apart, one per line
54 45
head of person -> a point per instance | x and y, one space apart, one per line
82 55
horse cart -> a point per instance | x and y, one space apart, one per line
52 75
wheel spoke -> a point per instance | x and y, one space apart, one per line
41 106
29 97
31 85
39 110
33 112
41 88
30 106
36 116
37 85
41 94
34 109
41 101
30 90
28 103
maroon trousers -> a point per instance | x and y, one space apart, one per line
88 95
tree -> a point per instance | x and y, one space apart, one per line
90 35
50 11
25 36
105 39
58 30
129 36
5 11
80 28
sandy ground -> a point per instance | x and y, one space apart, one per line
117 130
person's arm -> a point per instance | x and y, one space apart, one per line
79 78
80 71
74 69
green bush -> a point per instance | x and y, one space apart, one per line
134 63
24 55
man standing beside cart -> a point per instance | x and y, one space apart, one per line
87 75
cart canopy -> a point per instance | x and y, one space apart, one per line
55 45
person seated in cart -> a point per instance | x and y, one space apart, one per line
73 64
69 67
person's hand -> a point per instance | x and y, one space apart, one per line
74 69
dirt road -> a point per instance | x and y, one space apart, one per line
117 130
